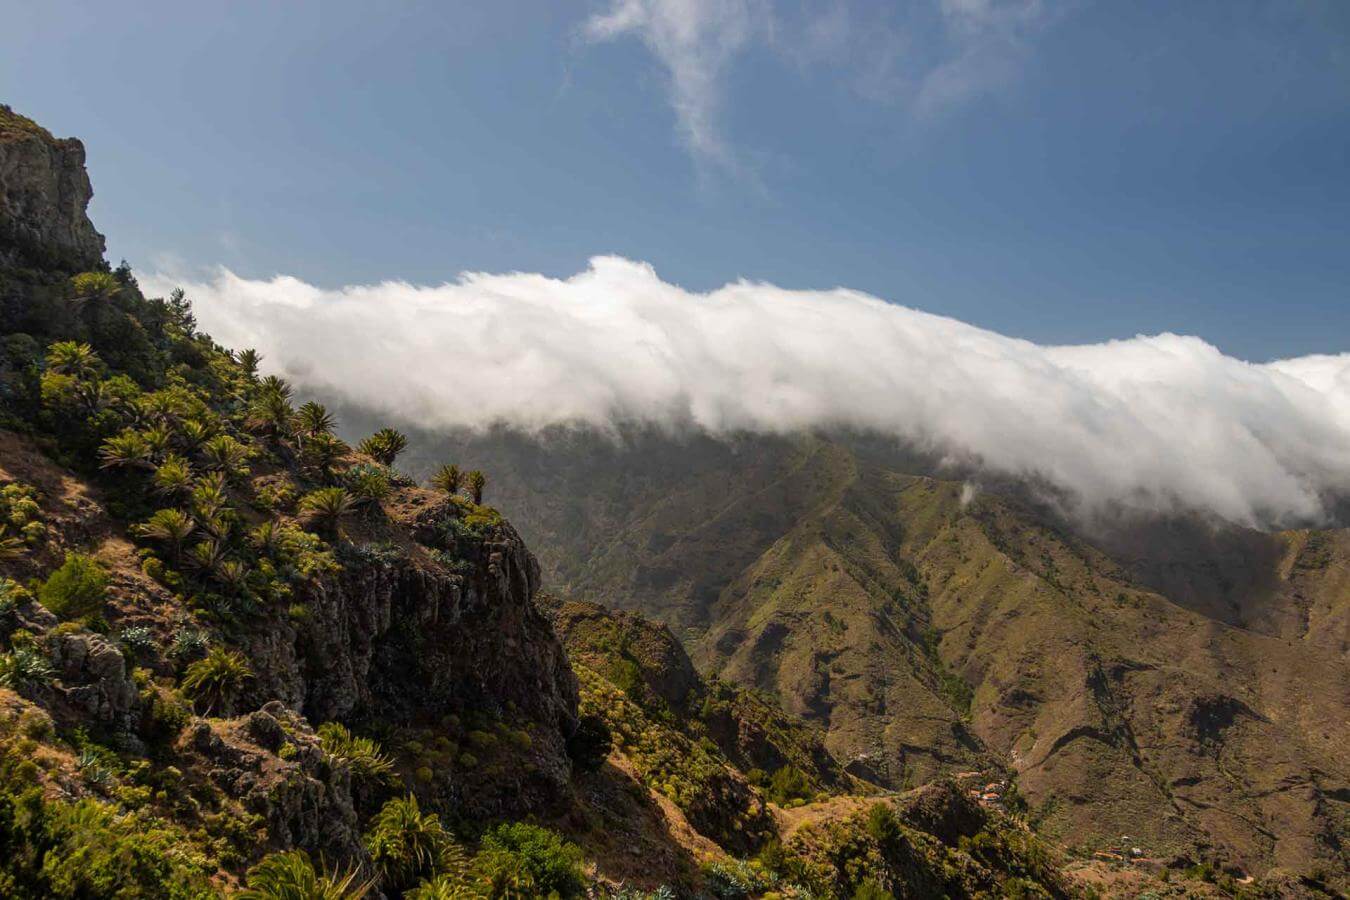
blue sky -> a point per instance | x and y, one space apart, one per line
1065 172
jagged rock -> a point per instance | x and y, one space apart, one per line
305 802
266 730
94 680
44 192
405 641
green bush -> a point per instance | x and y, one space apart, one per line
360 754
292 876
407 845
75 590
55 849
216 680
787 784
552 863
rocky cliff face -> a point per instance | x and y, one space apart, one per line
44 191
399 640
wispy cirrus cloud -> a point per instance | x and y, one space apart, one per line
694 41
930 55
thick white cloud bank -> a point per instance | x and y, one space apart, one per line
1164 422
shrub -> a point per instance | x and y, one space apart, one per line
325 508
24 669
552 863
216 680
76 589
360 754
384 445
367 484
189 643
292 876
448 478
407 845
138 639
787 784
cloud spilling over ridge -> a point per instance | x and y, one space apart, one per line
1164 422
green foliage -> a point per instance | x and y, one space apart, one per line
384 446
789 783
216 680
94 286
361 755
869 889
407 845
448 478
476 481
11 548
312 420
367 483
692 774
55 849
552 863
21 519
292 876
249 360
325 508
73 358
736 878
169 527
25 668
76 589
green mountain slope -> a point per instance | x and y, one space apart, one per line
239 655
1177 682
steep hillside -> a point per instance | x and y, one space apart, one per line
239 655
1178 682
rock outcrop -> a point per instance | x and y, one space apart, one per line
44 192
399 640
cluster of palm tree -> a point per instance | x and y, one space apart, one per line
451 480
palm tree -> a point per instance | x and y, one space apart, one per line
313 419
88 286
92 396
173 477
448 479
72 358
232 575
225 454
407 845
127 450
361 755
477 481
321 452
193 433
171 527
276 387
157 438
291 875
384 446
216 679
267 538
207 558
249 360
270 414
209 498
161 408
326 508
